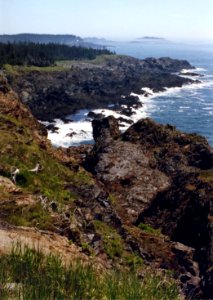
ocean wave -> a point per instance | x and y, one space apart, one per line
79 130
72 133
199 69
188 70
207 108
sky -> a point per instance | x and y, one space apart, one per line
111 19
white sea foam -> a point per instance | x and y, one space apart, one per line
207 108
107 112
72 133
79 131
200 69
187 70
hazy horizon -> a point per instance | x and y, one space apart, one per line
123 40
118 20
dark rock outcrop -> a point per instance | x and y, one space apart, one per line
105 129
4 87
56 94
191 74
163 178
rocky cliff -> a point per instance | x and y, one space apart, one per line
57 92
140 199
161 178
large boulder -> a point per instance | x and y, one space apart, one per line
162 178
105 128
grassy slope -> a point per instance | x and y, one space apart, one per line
21 147
61 65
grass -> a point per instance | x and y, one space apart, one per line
27 215
59 66
29 274
16 70
112 241
49 181
22 154
100 59
112 198
149 229
114 247
18 149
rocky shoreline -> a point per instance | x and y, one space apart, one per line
81 85
138 199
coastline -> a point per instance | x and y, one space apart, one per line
75 133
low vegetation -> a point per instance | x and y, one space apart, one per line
17 70
206 175
19 150
149 229
58 66
113 244
28 274
24 153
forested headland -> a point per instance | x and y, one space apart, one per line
42 55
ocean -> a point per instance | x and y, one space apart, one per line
189 108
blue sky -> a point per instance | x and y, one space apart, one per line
112 19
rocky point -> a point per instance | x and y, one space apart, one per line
139 198
90 85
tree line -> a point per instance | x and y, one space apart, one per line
42 55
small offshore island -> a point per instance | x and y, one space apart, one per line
138 201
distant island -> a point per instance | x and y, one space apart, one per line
151 38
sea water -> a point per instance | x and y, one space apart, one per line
189 108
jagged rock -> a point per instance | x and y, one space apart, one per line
191 74
71 134
190 279
94 115
96 86
4 87
172 147
124 120
150 193
163 177
127 111
105 128
128 175
52 128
